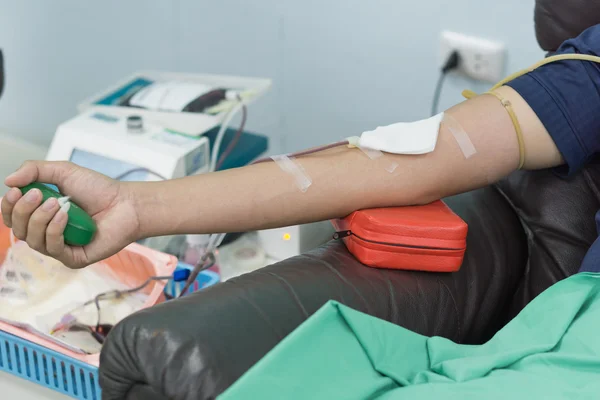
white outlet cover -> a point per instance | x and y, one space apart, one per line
480 58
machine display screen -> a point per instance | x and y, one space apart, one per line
109 166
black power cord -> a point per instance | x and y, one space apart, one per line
451 63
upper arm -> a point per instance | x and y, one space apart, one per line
565 96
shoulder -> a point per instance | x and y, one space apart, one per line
588 42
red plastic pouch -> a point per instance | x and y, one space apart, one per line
424 238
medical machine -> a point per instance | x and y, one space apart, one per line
101 139
151 125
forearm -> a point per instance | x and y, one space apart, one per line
344 180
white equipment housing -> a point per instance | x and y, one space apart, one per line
190 123
171 143
99 139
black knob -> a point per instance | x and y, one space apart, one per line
135 124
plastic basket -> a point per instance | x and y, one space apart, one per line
48 368
132 266
39 361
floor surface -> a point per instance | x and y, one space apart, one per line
12 387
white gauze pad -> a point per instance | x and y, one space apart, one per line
418 137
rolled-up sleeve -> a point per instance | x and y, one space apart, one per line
565 95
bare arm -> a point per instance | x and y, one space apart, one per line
344 180
564 95
263 196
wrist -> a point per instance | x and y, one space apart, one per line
153 213
131 193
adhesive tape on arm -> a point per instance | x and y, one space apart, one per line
418 137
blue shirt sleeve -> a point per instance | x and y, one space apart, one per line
565 95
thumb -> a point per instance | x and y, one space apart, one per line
53 172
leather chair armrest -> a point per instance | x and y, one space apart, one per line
196 347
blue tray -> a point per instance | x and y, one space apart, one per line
64 374
48 368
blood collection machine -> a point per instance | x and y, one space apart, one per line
151 125
160 125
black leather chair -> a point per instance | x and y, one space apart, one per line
526 233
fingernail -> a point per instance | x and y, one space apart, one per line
13 195
65 207
11 176
60 216
63 212
49 204
32 195
63 200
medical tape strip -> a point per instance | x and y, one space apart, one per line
461 137
390 166
292 167
372 153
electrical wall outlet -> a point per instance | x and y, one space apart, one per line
480 59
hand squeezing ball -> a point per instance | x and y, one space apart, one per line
80 227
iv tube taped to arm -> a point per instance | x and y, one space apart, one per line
375 154
405 138
353 142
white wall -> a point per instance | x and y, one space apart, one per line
339 66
